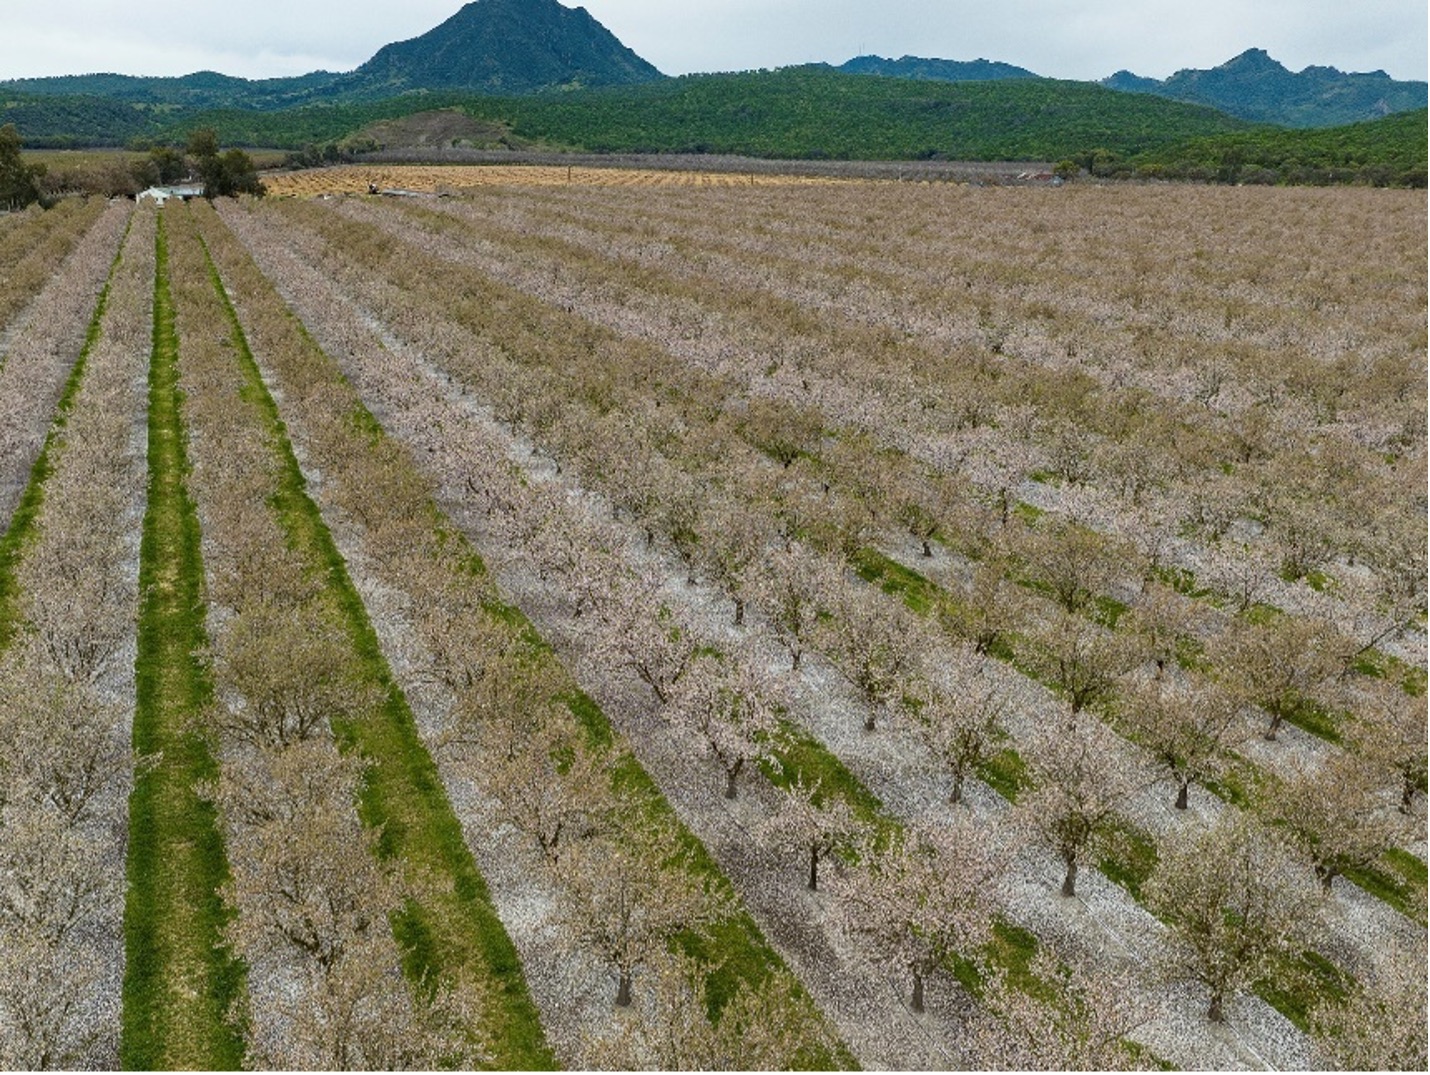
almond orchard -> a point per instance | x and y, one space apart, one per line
596 619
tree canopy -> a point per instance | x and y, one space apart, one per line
19 182
225 174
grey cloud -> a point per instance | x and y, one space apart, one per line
1060 38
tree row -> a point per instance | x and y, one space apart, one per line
66 689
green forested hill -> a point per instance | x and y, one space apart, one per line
490 47
48 121
503 47
202 89
817 112
801 113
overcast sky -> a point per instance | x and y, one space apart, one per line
1083 39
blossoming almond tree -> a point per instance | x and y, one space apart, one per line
733 707
1339 816
1380 1026
926 900
1078 1018
875 643
1081 777
628 894
959 715
1234 910
794 587
1186 729
812 823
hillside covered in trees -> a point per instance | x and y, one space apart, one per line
799 112
552 78
807 113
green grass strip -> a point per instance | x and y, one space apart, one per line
1399 879
1301 984
1005 772
178 980
32 499
1381 665
456 927
799 756
919 593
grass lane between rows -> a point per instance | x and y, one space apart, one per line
178 980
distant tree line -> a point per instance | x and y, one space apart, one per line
1231 167
222 173
324 155
1389 152
817 114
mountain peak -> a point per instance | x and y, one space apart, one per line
508 46
1256 87
1256 58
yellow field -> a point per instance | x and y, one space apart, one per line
438 178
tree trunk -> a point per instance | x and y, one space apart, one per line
1214 1012
739 612
1407 795
623 990
1325 875
813 868
918 1001
795 656
653 683
730 775
956 795
1070 881
1181 803
1273 728
550 843
929 553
